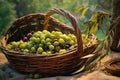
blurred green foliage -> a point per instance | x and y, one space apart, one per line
12 9
7 15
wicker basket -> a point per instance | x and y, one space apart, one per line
113 66
56 64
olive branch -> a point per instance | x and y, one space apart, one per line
93 25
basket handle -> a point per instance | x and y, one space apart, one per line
74 23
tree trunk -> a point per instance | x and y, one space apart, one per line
16 8
115 14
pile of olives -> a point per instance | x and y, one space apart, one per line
44 42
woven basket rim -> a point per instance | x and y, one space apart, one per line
109 62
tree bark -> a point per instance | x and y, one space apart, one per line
115 14
16 8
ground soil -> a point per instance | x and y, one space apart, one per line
3 59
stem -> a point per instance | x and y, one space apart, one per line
113 25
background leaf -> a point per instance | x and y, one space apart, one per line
84 10
94 28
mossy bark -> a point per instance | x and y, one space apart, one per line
115 14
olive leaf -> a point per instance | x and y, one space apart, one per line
84 10
95 22
94 28
78 71
98 48
118 43
110 39
95 7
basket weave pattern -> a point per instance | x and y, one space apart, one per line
113 66
56 64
